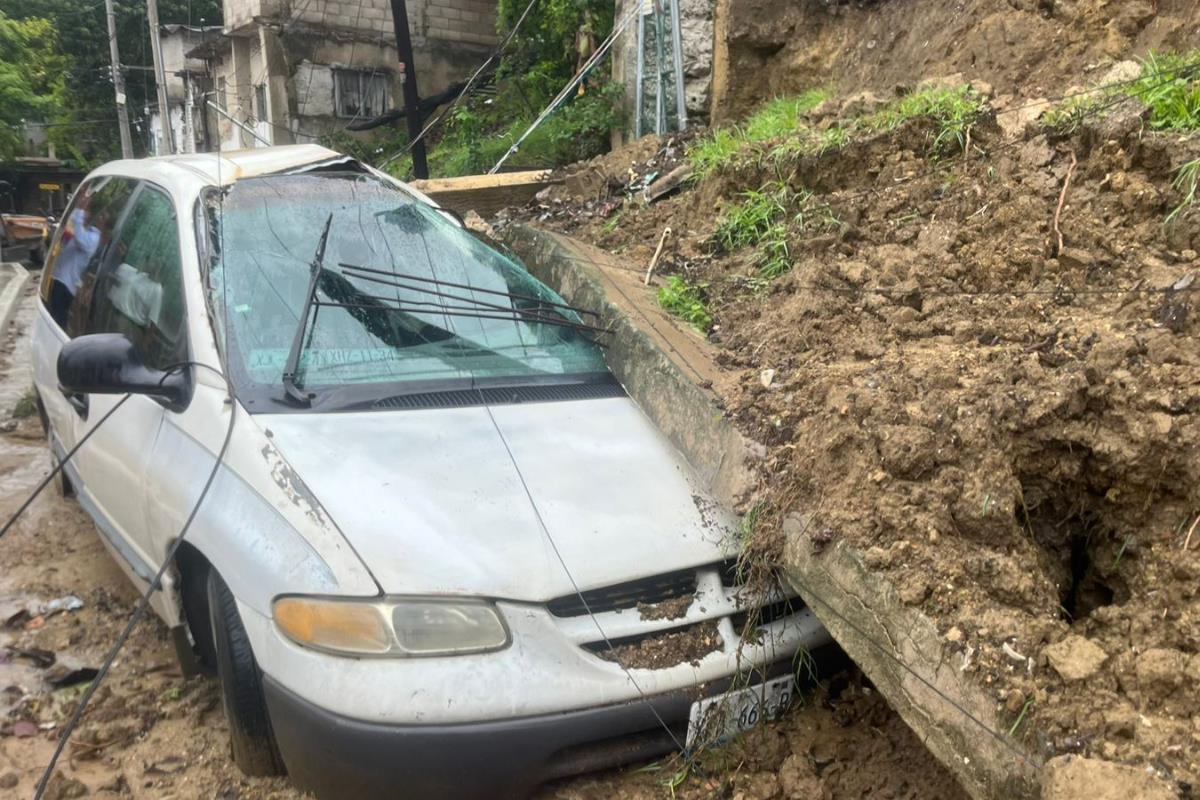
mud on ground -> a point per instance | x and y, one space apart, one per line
1006 428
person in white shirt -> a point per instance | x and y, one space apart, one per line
81 239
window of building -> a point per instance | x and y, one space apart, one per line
222 94
359 94
260 101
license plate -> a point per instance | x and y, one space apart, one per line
715 720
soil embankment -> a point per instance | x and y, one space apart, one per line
975 370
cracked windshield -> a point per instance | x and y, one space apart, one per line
402 293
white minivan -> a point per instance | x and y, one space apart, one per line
443 554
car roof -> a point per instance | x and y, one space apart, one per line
224 168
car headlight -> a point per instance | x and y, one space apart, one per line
392 626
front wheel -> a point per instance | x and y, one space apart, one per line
250 735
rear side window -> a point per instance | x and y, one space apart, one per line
79 246
139 290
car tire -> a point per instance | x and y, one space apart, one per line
250 736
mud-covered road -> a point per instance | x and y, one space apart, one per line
150 733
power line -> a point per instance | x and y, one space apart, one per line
466 89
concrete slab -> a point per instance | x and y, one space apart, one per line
665 367
485 194
13 278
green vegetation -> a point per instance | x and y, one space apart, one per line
478 135
782 116
26 406
954 110
749 222
1070 115
1187 182
766 218
63 60
686 300
714 152
539 61
1169 86
31 78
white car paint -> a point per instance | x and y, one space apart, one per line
423 502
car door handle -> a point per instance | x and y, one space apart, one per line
79 402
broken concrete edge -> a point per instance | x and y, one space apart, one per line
485 194
901 651
15 277
677 406
861 610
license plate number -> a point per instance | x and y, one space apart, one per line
715 720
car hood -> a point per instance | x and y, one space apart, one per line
434 503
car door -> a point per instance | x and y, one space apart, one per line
138 293
79 245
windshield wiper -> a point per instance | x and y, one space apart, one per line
293 362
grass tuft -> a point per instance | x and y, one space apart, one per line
26 406
1169 87
1187 183
686 300
766 218
714 152
955 110
782 116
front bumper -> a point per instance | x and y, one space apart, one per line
334 756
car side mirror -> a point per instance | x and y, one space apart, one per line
109 363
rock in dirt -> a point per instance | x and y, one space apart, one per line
1016 120
1160 670
9 780
1075 658
1074 778
796 779
60 787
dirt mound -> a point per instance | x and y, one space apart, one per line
1006 424
1027 46
843 742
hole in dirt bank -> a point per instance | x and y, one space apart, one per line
1082 554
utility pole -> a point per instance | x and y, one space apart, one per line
118 81
411 99
160 78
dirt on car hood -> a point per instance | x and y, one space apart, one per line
434 503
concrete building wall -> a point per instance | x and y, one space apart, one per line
294 48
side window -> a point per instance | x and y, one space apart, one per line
79 246
139 289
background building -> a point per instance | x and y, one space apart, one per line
297 70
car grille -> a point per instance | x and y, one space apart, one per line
673 617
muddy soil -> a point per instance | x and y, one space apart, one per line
1028 48
150 733
1007 428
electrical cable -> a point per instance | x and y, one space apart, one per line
601 51
58 467
466 89
144 602
574 584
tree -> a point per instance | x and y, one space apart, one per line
31 78
87 130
